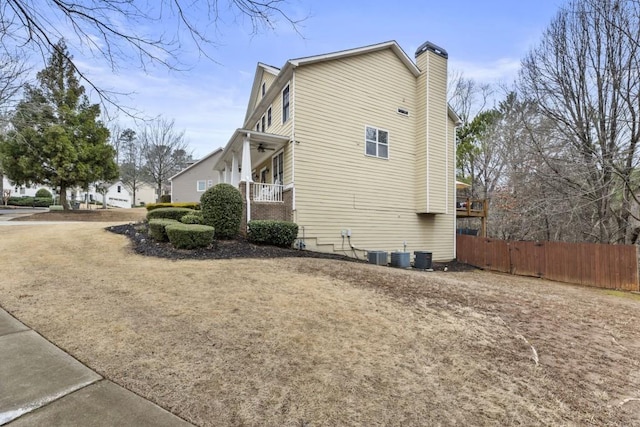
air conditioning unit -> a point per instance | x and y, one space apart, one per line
400 259
377 257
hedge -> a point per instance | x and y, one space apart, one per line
44 194
36 202
194 217
189 236
157 228
190 205
277 233
169 213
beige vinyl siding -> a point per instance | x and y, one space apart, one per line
183 187
431 158
337 186
277 128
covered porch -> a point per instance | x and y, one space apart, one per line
254 162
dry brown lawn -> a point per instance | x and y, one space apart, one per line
96 214
308 342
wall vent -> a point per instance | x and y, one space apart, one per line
403 112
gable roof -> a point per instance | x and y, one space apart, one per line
208 156
392 44
261 68
284 74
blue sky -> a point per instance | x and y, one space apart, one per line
485 40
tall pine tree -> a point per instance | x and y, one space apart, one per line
56 137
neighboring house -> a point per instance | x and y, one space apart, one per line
22 190
189 184
357 147
119 195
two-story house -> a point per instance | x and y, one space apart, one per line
356 146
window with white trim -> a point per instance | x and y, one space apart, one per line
262 123
376 142
201 185
285 104
264 88
210 183
269 117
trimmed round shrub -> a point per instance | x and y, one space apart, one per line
43 193
221 207
190 205
169 213
192 218
157 228
189 236
276 233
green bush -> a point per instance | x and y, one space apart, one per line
165 198
157 228
277 233
43 193
56 208
190 205
169 213
189 236
192 218
222 209
37 202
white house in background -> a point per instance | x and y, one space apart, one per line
189 184
22 190
118 195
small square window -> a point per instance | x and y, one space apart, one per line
376 142
201 185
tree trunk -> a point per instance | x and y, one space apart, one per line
63 197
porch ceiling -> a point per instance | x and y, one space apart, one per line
262 145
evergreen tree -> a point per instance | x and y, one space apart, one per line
56 137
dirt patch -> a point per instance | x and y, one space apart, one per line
298 341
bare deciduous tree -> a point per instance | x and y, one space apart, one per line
584 79
122 31
165 152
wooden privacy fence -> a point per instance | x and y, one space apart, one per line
590 264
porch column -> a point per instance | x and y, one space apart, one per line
246 161
234 170
227 178
219 178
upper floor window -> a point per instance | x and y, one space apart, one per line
262 124
258 127
264 88
119 189
377 142
285 104
201 185
269 117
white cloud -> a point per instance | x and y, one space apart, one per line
500 70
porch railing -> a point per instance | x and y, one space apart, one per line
267 192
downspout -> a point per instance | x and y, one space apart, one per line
428 135
293 141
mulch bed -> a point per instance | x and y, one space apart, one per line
237 248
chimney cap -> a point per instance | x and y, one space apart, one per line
433 48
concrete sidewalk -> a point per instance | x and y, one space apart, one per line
42 385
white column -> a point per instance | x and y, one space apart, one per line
246 161
234 170
219 177
227 177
